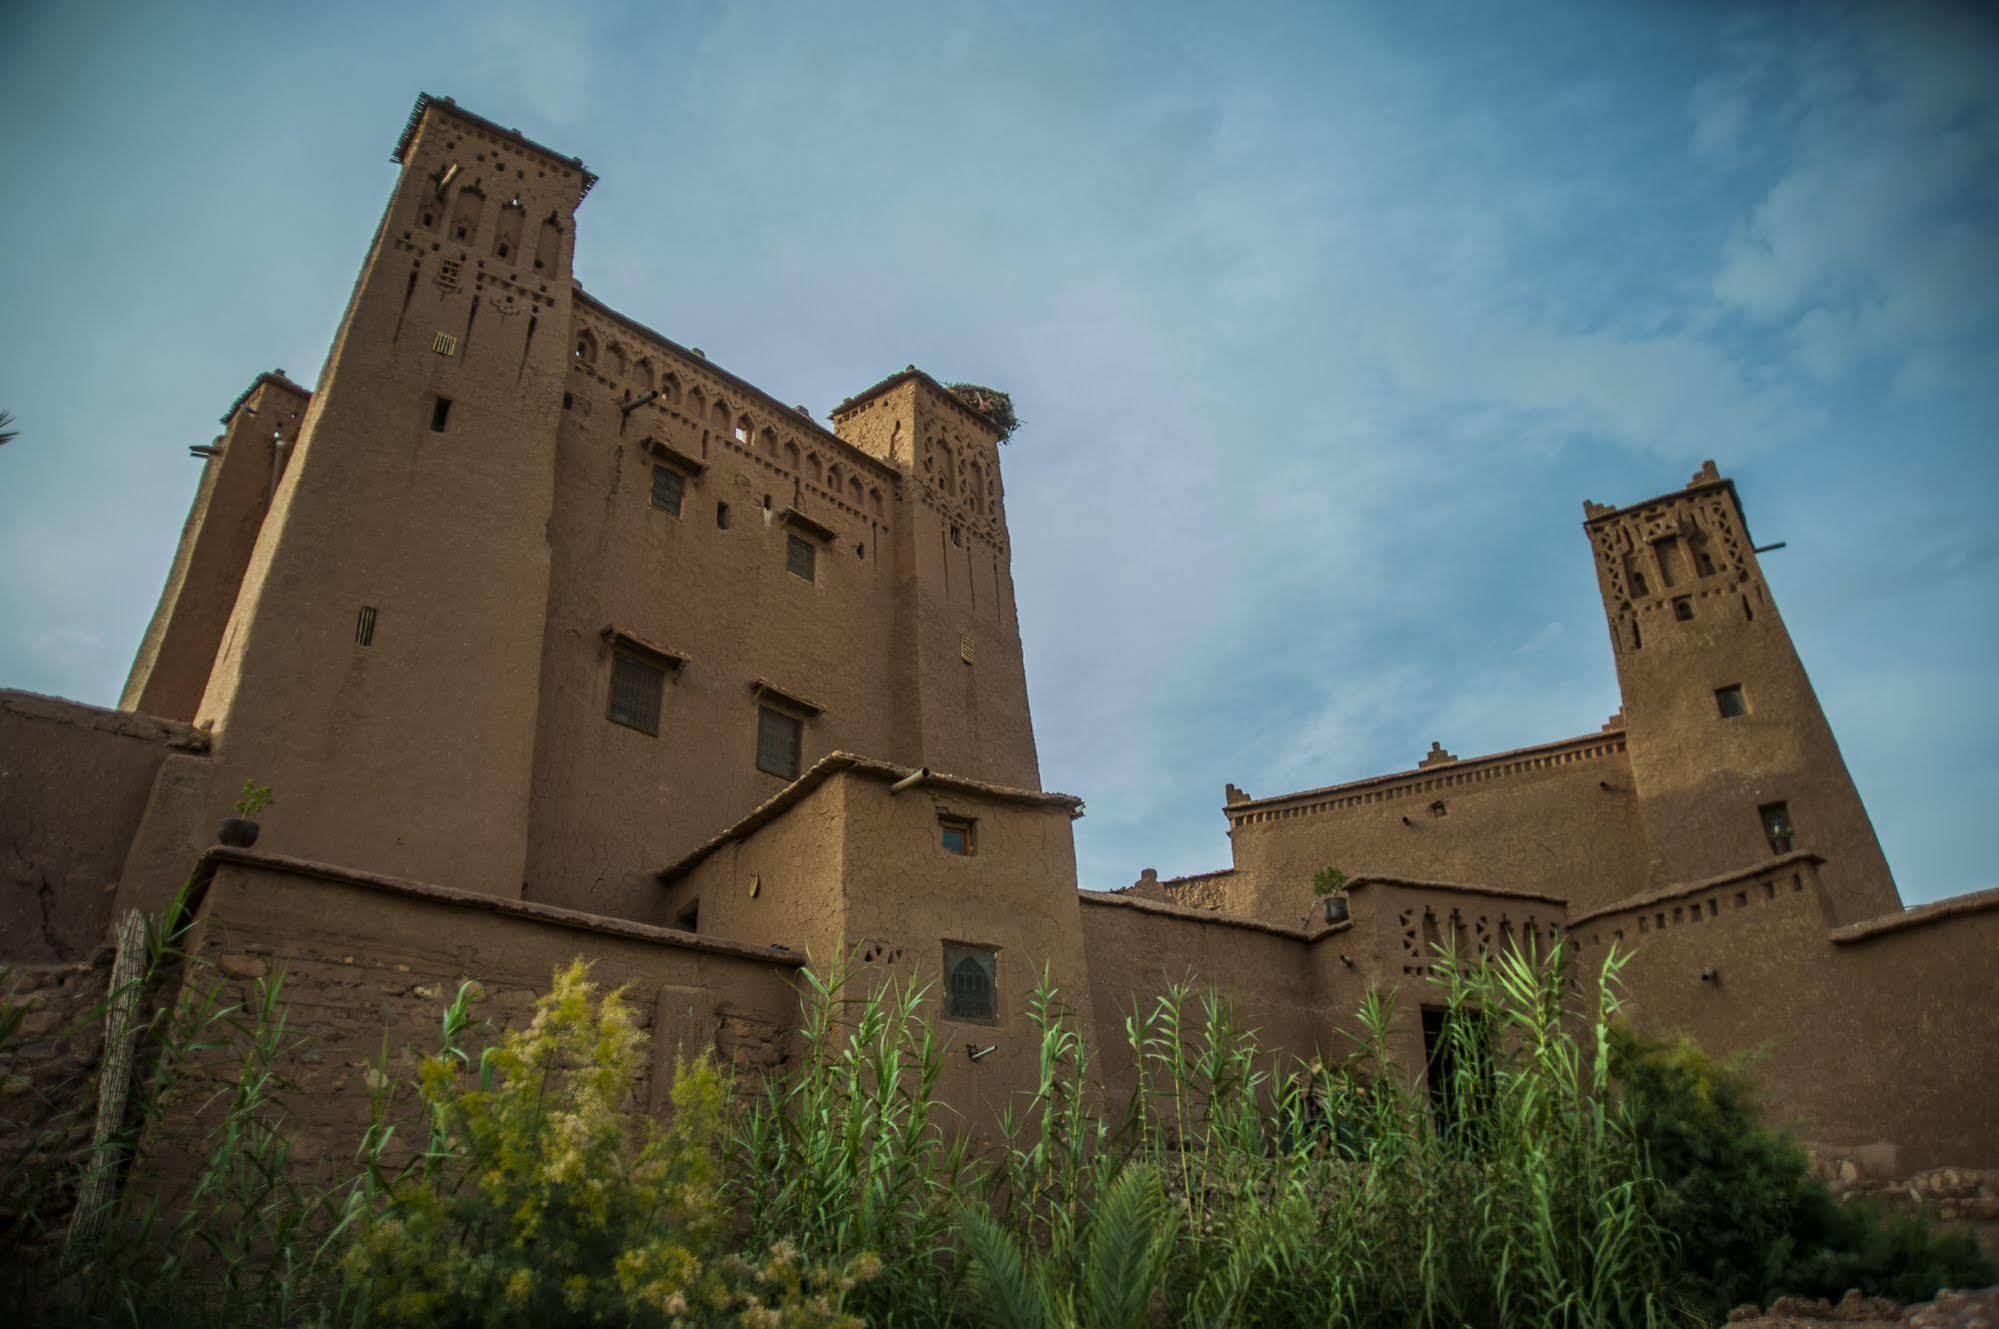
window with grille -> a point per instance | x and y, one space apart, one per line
636 684
778 740
1777 827
364 626
1731 701
956 835
799 557
668 487
971 983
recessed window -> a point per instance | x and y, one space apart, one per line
668 487
636 684
1730 701
971 983
722 516
1777 827
1683 609
364 626
689 919
778 739
956 834
440 414
800 558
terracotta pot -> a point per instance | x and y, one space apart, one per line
238 832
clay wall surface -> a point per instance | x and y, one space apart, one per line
366 958
1702 776
74 783
1538 819
1139 949
906 896
48 1070
171 670
1875 1034
411 752
612 803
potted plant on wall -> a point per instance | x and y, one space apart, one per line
1329 885
240 831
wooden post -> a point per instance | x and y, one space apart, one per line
98 1189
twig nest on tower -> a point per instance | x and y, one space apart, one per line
995 405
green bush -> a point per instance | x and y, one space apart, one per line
1752 1223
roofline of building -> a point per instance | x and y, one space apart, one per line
1922 915
837 763
1421 772
1595 514
1454 888
275 377
702 361
553 915
1680 890
1167 909
424 101
907 374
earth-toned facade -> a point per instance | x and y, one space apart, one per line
555 638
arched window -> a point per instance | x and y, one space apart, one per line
548 245
614 362
697 403
669 388
721 416
947 469
974 487
767 440
743 429
813 467
875 501
507 236
642 376
465 213
854 490
971 990
586 348
833 477
791 454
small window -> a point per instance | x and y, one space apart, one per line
971 983
1731 701
1777 827
800 558
1639 585
778 740
364 626
440 414
1683 609
722 516
635 689
689 919
956 835
668 486
568 401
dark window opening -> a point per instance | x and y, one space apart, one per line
568 400
1457 1059
1777 827
1637 640
779 737
722 516
971 983
668 487
1731 701
1667 552
364 626
1683 609
440 414
636 684
1704 561
1748 614
956 835
800 558
689 919
1437 809
1638 584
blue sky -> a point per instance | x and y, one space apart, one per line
1324 319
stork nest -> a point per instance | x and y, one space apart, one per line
995 405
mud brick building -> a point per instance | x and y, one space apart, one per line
555 637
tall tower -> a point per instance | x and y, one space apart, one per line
957 652
380 666
1731 754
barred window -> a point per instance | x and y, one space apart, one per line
668 485
799 557
778 737
971 986
635 690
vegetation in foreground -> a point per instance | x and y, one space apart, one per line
1570 1175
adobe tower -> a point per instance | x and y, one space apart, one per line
1731 754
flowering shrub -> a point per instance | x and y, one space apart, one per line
539 1201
